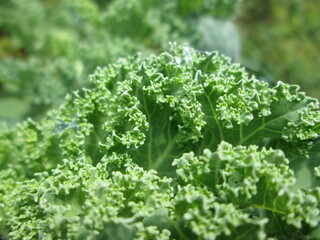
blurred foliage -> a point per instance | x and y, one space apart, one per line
281 41
48 48
217 34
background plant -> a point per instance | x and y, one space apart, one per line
48 48
280 41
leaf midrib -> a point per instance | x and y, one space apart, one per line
265 124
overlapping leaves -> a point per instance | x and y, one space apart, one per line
148 151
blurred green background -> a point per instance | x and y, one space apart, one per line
49 48
281 41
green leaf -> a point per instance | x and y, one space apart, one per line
186 138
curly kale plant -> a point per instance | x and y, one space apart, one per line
184 145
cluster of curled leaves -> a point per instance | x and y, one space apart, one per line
184 145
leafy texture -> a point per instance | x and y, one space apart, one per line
48 48
183 145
